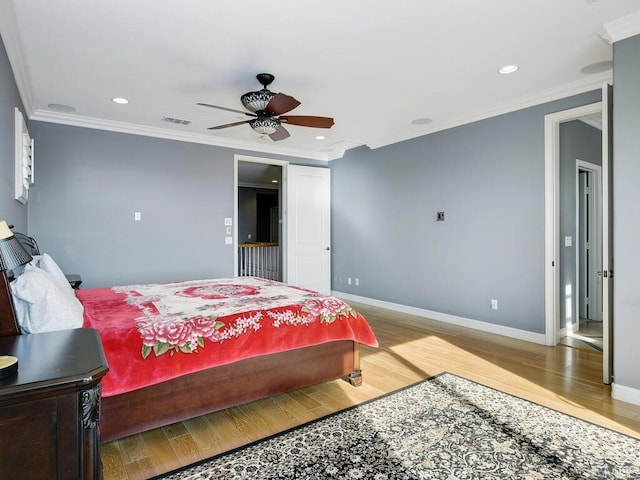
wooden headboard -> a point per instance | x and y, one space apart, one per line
8 323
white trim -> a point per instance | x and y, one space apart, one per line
552 123
132 129
593 82
622 28
447 318
625 394
13 46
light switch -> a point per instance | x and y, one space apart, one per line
228 240
568 241
228 230
228 222
137 216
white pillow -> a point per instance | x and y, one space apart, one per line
50 266
41 305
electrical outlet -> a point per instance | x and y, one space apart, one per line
349 281
357 282
494 304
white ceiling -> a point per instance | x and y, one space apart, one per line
373 65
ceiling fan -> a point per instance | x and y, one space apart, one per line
267 109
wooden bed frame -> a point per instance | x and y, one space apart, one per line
217 388
226 386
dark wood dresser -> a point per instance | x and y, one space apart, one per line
50 410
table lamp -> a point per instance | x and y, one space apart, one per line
12 255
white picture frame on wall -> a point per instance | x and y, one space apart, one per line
24 159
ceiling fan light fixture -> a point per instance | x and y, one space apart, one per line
257 101
264 125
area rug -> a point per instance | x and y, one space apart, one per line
445 427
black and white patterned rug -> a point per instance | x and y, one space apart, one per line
445 427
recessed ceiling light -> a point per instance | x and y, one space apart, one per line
597 67
320 137
421 121
508 69
59 107
120 100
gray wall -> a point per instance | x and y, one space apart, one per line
11 210
626 204
577 141
89 184
488 178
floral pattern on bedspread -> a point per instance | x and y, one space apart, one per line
155 332
172 322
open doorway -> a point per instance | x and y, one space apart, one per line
584 330
259 197
560 291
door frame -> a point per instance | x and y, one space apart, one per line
283 214
552 213
596 171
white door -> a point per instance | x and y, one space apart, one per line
308 191
607 236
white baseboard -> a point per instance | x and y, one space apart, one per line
618 392
626 394
446 318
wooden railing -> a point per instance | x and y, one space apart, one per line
259 260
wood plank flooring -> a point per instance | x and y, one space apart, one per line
411 348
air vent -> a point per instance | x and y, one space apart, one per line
176 120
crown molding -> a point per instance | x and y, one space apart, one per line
133 129
15 52
594 82
621 28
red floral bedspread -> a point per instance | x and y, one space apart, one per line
152 333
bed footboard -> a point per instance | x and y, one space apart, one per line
227 386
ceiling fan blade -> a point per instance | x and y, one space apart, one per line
227 125
227 109
307 121
280 134
281 103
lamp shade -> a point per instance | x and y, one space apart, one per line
12 253
264 125
257 101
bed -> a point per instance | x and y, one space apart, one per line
180 350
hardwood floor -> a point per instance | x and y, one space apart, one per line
411 348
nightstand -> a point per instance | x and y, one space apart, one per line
50 410
74 280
